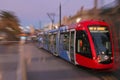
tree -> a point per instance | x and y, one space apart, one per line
9 21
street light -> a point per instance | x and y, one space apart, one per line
78 20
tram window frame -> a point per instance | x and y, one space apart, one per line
85 44
72 40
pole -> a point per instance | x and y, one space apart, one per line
59 28
51 16
60 15
40 25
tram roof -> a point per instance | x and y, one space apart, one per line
78 25
93 22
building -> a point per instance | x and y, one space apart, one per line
83 15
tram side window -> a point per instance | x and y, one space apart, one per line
45 39
51 40
65 41
54 39
83 46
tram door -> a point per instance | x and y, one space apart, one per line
72 47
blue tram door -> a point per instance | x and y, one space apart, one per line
72 46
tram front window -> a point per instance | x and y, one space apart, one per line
102 43
101 40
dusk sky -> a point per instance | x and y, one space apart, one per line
32 12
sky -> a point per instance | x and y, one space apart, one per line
34 12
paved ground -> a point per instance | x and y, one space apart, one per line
41 65
9 59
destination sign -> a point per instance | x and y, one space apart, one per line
98 29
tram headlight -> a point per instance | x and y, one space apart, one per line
106 57
102 58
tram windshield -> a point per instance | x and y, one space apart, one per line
101 39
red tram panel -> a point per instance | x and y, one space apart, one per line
87 43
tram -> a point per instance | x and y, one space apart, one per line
87 43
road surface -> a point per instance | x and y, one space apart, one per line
42 65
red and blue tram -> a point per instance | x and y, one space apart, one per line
87 43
